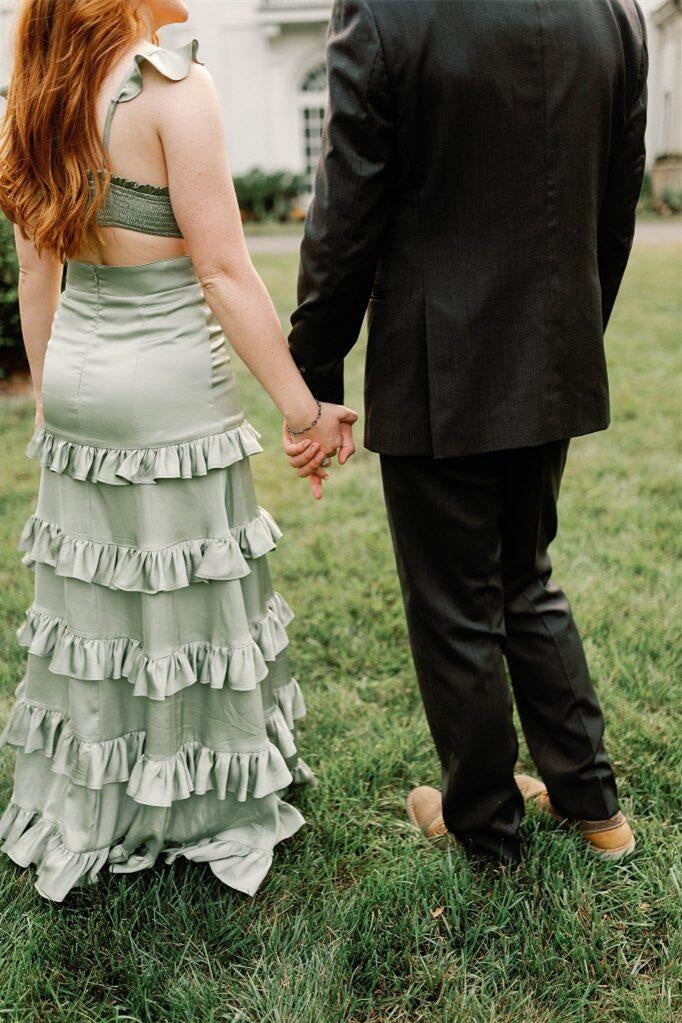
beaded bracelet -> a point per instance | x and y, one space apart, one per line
297 433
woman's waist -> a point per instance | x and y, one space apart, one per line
117 385
132 305
131 281
129 369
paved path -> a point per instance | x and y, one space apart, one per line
273 244
666 231
649 232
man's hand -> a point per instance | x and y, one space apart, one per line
332 435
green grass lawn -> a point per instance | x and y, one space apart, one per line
359 921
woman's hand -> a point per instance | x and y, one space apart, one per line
332 435
306 455
39 413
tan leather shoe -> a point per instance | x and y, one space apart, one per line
425 810
535 792
610 839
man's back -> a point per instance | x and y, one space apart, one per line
479 178
483 162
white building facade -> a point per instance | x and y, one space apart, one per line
268 61
665 77
267 58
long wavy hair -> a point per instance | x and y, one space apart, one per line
54 171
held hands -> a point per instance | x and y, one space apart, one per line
310 454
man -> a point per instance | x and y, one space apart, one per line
477 189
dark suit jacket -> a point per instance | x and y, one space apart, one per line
478 182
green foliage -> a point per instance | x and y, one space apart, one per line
672 199
11 345
646 193
360 921
268 196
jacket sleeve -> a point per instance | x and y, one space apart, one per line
345 220
616 227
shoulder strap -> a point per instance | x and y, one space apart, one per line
106 131
172 64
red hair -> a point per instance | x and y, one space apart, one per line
54 171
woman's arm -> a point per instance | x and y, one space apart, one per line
206 208
40 279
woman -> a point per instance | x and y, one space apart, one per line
157 710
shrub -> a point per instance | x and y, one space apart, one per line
268 196
672 199
646 193
668 203
12 355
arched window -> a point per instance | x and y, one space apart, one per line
313 105
315 80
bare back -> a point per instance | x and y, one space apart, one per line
135 153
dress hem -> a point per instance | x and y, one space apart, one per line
30 837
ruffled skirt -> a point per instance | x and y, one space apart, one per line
157 713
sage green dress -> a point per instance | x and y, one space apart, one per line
157 711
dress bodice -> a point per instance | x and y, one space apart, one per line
132 204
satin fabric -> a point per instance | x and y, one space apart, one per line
157 712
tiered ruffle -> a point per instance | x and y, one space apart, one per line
28 837
119 466
129 568
251 773
194 768
93 659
